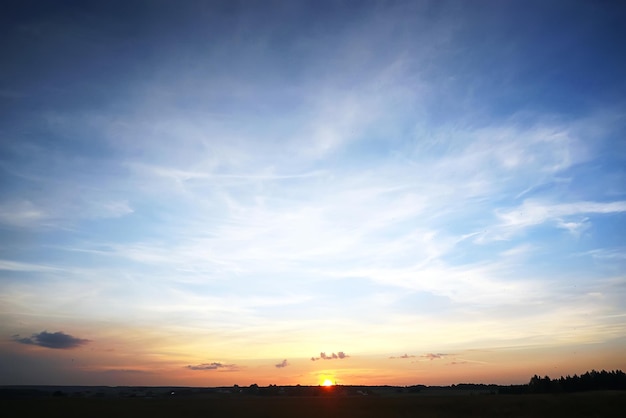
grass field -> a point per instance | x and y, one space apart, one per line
591 404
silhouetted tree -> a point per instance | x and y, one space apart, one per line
593 380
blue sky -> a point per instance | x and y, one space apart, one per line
242 183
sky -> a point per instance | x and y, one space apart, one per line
210 193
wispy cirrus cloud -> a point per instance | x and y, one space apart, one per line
533 212
22 213
9 265
604 254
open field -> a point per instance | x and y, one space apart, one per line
591 404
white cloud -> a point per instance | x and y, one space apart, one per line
518 251
468 284
608 254
574 227
534 212
109 209
9 265
22 213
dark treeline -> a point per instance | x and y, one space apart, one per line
593 380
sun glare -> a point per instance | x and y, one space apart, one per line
327 382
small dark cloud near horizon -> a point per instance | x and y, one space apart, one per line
405 355
56 340
434 356
125 371
282 364
214 366
323 356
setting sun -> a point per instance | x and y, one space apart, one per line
327 382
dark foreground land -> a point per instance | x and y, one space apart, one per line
588 404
